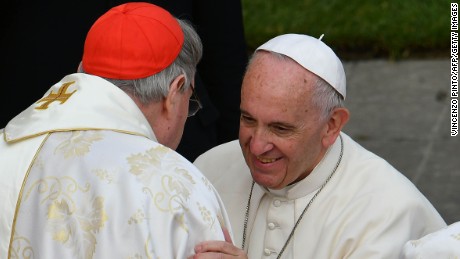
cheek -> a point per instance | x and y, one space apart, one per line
297 151
244 147
307 154
289 149
244 134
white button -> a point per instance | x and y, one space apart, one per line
271 225
277 203
267 252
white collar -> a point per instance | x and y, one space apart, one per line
94 103
315 179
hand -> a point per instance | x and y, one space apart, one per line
217 249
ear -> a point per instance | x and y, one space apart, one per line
175 91
334 125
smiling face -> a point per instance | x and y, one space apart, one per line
281 133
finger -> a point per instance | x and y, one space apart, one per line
219 247
212 255
227 236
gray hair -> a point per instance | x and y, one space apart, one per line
324 96
156 87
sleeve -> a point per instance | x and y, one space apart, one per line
184 210
444 243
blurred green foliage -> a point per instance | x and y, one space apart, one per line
392 29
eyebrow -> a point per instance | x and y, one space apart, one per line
274 123
283 125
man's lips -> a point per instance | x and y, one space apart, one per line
267 160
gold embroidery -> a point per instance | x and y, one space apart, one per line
185 174
138 217
38 164
173 199
105 175
72 221
151 158
206 183
78 144
172 203
64 221
61 96
55 187
415 243
456 236
206 215
11 247
10 141
21 248
173 196
150 252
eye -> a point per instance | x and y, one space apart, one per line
247 119
281 130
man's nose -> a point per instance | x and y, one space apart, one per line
260 142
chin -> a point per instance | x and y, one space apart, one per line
268 181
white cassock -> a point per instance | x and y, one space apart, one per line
367 209
82 176
444 243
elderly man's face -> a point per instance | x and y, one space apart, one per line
280 130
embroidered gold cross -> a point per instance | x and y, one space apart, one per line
60 96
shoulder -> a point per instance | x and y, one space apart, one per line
136 158
368 167
374 175
221 160
231 148
383 189
224 154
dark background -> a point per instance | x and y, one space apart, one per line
42 41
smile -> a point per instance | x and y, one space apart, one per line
264 160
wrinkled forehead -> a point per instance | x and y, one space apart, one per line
277 80
272 56
271 70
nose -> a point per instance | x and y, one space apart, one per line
260 142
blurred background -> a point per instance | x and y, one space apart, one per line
391 29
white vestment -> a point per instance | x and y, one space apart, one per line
82 176
444 243
367 209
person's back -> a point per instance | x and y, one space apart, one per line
90 171
83 200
